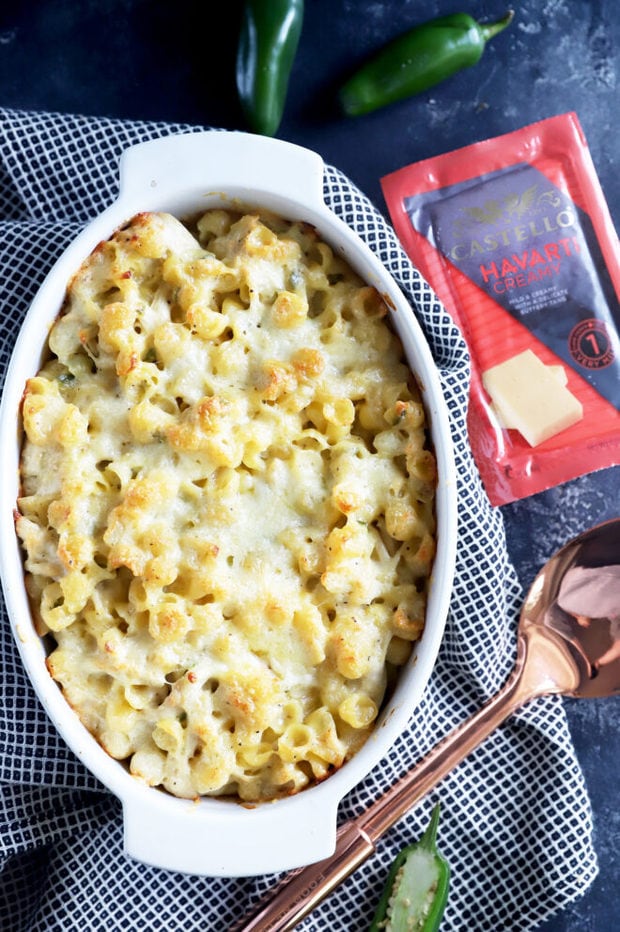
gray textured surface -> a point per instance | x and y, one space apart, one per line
172 61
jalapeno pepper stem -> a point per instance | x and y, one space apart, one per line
428 841
489 30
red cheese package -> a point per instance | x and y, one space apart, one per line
514 236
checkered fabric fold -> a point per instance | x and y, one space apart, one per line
516 821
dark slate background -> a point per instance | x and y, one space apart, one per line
175 61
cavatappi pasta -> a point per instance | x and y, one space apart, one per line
227 505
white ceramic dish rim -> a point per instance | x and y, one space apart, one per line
184 174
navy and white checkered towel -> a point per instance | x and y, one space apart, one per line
516 821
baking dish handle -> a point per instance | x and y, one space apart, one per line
219 838
237 164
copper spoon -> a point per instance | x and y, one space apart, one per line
568 643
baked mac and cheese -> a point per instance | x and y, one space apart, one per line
227 504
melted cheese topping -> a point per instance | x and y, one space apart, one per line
227 509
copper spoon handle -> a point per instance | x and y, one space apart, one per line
301 890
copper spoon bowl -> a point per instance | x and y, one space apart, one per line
568 643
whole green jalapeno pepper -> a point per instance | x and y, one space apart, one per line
270 31
417 60
415 894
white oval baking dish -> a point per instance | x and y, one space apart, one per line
184 174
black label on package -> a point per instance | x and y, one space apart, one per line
535 253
